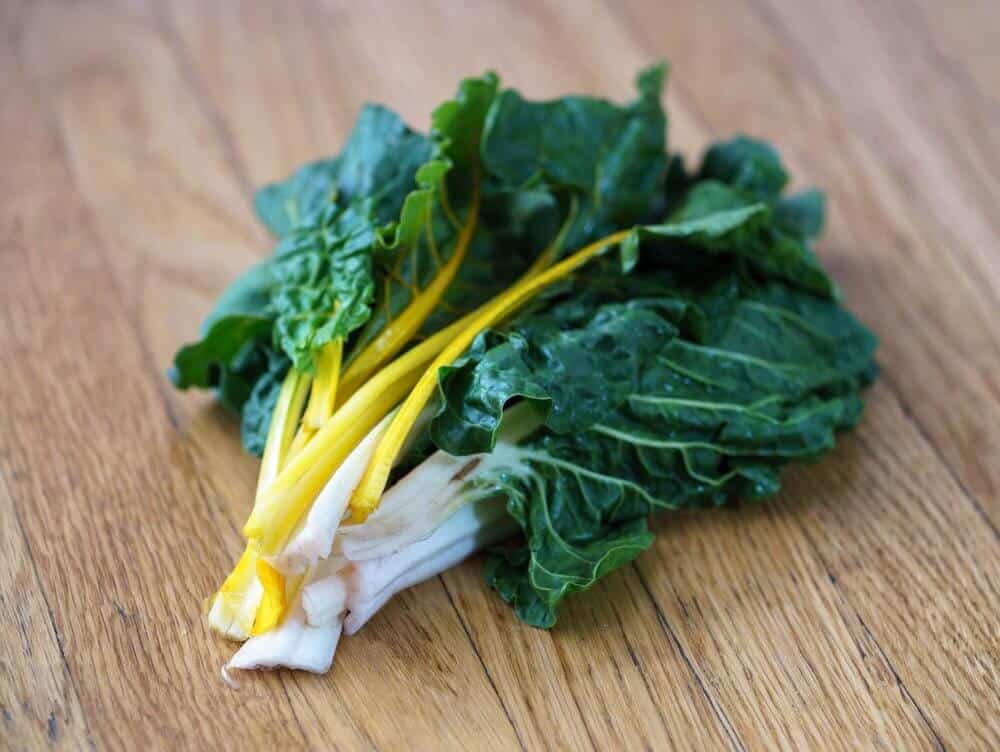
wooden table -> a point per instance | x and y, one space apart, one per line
858 611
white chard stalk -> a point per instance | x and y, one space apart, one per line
314 539
429 521
371 583
292 644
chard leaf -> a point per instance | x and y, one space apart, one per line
752 169
720 219
203 363
531 193
582 372
230 355
802 214
318 286
282 206
612 158
491 266
522 580
772 376
714 218
746 164
675 185
324 281
377 164
687 373
259 406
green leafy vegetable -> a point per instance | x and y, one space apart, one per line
579 390
801 214
581 373
233 351
721 219
224 358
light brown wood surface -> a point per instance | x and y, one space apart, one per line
860 610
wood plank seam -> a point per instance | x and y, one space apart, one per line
973 500
475 649
359 729
903 688
295 712
638 665
713 701
576 702
939 742
51 618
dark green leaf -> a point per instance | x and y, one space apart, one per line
720 219
772 373
746 164
582 372
200 364
611 158
377 164
325 284
259 406
413 251
459 122
801 214
232 352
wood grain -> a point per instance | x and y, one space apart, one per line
857 611
39 705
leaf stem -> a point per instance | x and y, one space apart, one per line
284 421
323 396
397 333
446 206
545 258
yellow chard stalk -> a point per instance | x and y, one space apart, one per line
234 607
400 331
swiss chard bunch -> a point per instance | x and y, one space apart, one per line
531 324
